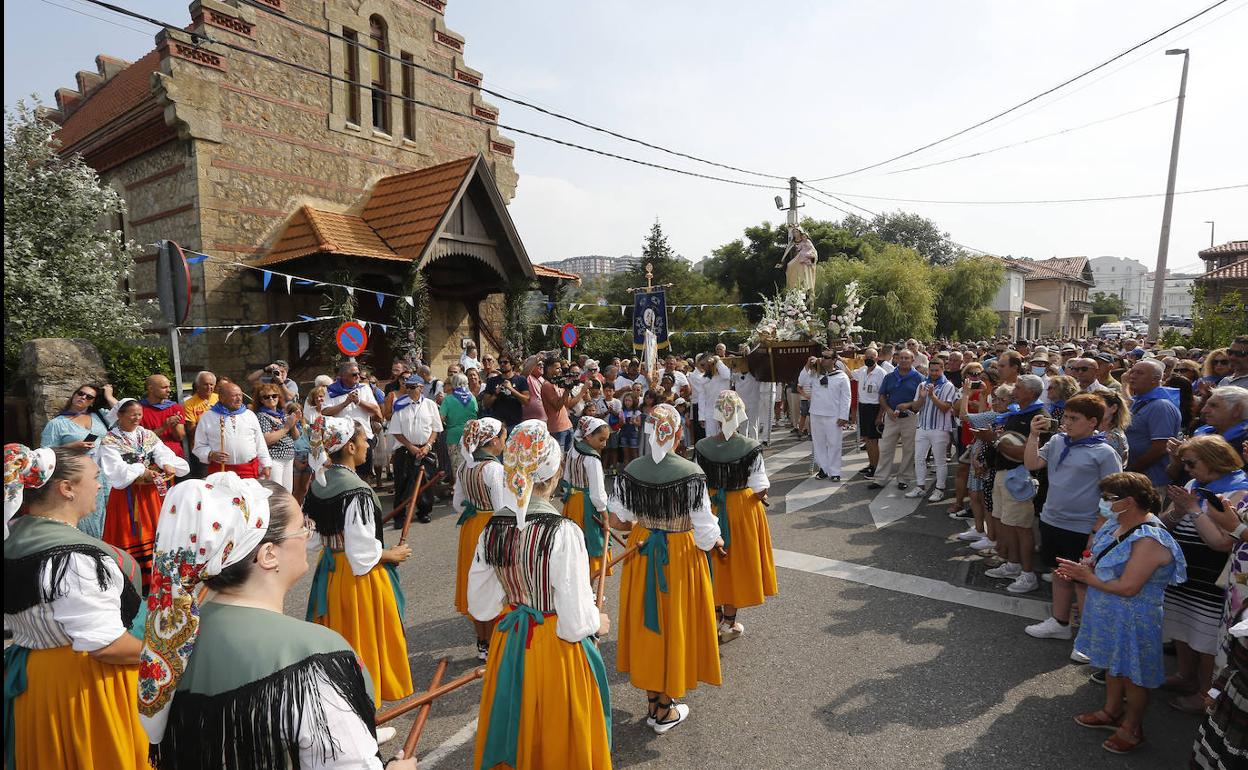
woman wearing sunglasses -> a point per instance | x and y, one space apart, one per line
79 425
281 428
1130 562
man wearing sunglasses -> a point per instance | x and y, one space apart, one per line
829 413
1085 371
506 393
1238 354
351 398
415 425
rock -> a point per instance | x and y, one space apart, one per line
52 368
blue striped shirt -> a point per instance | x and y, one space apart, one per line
930 417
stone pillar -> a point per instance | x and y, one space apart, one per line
52 368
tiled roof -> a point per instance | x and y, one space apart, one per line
1222 249
1033 307
405 209
1235 271
116 97
1059 268
545 271
313 231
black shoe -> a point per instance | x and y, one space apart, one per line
902 485
821 475
869 472
423 518
874 485
834 478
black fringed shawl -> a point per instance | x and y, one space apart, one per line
253 680
662 495
727 464
327 505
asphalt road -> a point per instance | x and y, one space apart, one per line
907 658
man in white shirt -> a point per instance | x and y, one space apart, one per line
716 378
228 437
829 394
625 381
468 359
682 381
351 398
415 424
750 390
934 401
886 358
869 377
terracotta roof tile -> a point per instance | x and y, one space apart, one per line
1230 247
312 231
1060 268
119 95
1235 271
545 271
405 209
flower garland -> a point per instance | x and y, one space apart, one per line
845 322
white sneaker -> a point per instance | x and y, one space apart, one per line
1049 629
916 492
729 631
385 734
1079 657
936 496
1007 571
1047 577
984 544
1024 583
682 713
971 535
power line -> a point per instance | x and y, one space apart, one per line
1054 200
1025 102
93 16
407 99
513 100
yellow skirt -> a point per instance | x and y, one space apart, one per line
469 534
748 573
78 713
574 509
687 649
561 719
363 609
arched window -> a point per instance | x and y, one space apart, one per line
380 73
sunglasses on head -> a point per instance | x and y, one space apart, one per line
1237 353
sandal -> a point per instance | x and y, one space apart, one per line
1099 720
1188 704
653 709
674 714
729 629
1118 743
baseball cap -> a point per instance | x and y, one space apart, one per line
416 379
1108 358
1137 353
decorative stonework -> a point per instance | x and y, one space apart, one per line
214 18
193 53
445 37
437 5
274 4
502 149
465 77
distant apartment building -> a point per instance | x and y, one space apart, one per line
593 265
1131 281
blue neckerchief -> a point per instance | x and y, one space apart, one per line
1169 394
1232 436
1014 409
1058 404
162 405
1231 482
337 389
221 409
403 402
273 413
1095 438
937 383
463 395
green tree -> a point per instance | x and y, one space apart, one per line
1108 304
966 289
1216 323
899 287
915 232
63 273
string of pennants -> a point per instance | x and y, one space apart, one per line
624 308
591 327
195 331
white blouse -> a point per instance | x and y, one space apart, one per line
594 479
84 616
758 480
494 482
243 440
357 748
569 579
121 474
359 536
705 523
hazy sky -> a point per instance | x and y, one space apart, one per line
811 89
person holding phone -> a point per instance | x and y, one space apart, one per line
80 424
506 393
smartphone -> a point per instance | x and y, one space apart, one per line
1054 425
92 438
1211 498
976 385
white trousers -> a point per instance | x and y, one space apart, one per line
826 435
283 472
764 412
936 441
711 426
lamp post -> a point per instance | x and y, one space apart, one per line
1163 248
1212 225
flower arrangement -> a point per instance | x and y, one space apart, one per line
788 318
843 320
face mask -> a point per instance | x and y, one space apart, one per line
1038 371
1107 510
870 362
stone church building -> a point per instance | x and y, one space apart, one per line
389 164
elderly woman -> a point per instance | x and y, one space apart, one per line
545 701
71 674
233 683
139 468
81 423
1194 609
1131 561
456 410
1059 389
280 427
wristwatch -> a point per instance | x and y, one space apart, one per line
1238 532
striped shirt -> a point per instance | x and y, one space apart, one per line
930 416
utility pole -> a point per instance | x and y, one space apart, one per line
1163 248
792 219
1212 225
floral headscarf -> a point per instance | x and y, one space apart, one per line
204 527
24 467
532 455
587 425
729 412
477 433
666 423
328 435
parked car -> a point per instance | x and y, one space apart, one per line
1112 330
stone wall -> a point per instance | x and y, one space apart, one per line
51 369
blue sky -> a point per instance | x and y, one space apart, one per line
814 89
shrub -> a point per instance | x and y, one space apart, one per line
128 365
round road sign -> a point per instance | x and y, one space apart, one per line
351 338
569 336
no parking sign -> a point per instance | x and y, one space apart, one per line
351 338
569 336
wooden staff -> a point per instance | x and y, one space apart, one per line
430 696
619 540
632 549
422 715
411 506
400 507
602 566
221 449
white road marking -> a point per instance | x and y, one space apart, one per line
891 505
813 491
781 460
913 584
450 745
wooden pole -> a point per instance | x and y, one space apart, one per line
619 540
422 715
400 507
411 505
430 696
602 567
632 549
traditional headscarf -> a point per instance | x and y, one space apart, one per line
116 410
328 435
587 425
730 412
204 527
666 423
24 468
476 434
532 455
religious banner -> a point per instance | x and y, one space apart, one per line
649 315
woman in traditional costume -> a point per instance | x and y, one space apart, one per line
140 469
667 641
545 701
233 683
81 423
585 485
478 491
71 674
355 590
736 478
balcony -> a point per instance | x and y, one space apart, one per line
1079 307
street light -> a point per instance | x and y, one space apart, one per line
1212 225
1163 248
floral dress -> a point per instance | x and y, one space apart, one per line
1122 634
